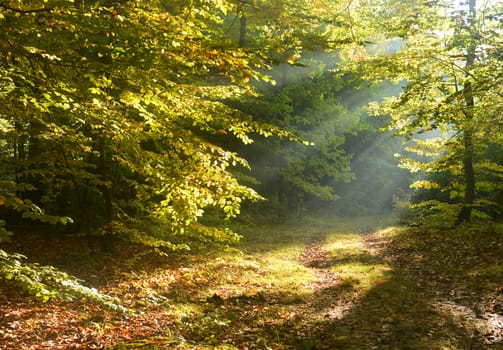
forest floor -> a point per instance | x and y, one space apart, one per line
339 284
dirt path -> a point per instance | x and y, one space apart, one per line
412 308
326 303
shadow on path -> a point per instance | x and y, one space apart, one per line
397 312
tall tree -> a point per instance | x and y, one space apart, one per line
109 108
469 101
443 53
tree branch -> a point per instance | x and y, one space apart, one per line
5 6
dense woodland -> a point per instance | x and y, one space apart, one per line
176 125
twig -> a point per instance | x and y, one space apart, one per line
24 11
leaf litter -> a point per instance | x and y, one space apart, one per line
396 288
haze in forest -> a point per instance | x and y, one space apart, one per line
174 124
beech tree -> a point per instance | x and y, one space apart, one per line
108 108
448 55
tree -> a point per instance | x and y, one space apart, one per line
110 109
444 54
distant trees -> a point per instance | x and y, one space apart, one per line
308 106
349 165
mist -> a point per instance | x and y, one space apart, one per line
349 168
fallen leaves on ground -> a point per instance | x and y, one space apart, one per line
396 288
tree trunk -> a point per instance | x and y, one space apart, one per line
465 215
107 240
242 30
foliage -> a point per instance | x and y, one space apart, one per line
349 166
289 172
444 59
109 112
47 282
113 110
110 107
304 98
284 31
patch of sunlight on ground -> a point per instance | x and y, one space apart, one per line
286 273
465 317
260 273
343 241
391 231
363 276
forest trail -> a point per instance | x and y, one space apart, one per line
309 286
469 324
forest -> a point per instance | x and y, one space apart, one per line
251 174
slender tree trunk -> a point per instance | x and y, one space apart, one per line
35 153
17 157
106 242
242 30
465 215
240 12
282 191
